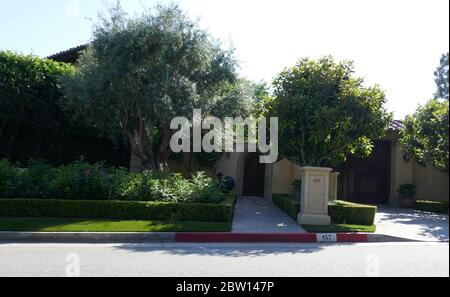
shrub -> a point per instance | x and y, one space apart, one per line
164 211
289 203
407 190
156 186
8 179
432 206
205 189
341 212
83 181
34 181
171 187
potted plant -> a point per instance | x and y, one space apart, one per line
407 193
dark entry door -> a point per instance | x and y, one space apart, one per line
367 180
254 176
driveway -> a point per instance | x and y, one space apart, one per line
259 215
411 224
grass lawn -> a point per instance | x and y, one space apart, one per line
340 228
106 225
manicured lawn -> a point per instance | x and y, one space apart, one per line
105 225
340 228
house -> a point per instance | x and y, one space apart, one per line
372 180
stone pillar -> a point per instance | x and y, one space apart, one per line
314 196
333 185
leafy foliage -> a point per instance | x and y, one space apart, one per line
33 122
8 179
30 113
425 135
326 113
83 181
173 187
441 78
139 73
407 190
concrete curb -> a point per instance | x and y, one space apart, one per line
99 237
92 237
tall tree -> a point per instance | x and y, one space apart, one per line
139 73
441 78
325 113
31 117
425 135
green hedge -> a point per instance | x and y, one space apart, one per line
161 211
288 203
432 206
341 212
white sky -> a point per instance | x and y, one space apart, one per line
396 44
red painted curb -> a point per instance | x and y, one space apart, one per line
352 237
264 238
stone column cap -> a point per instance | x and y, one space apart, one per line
326 169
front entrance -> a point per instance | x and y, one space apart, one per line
254 176
366 180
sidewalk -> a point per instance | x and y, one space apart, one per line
259 215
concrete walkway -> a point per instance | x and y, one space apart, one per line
258 215
411 224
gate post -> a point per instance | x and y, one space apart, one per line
314 196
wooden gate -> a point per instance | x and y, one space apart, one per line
367 180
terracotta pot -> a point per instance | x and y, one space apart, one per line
407 202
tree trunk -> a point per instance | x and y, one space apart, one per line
164 149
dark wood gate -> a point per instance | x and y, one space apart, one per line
367 180
254 176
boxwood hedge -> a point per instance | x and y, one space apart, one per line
288 203
341 212
112 209
432 206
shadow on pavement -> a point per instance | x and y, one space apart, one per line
414 223
228 249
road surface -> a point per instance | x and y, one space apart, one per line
261 260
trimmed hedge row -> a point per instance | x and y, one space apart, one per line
288 203
431 206
341 212
112 209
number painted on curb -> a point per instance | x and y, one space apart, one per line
326 238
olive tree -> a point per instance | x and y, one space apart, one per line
326 113
140 72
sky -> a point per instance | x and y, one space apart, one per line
396 44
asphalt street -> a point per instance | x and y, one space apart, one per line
197 260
